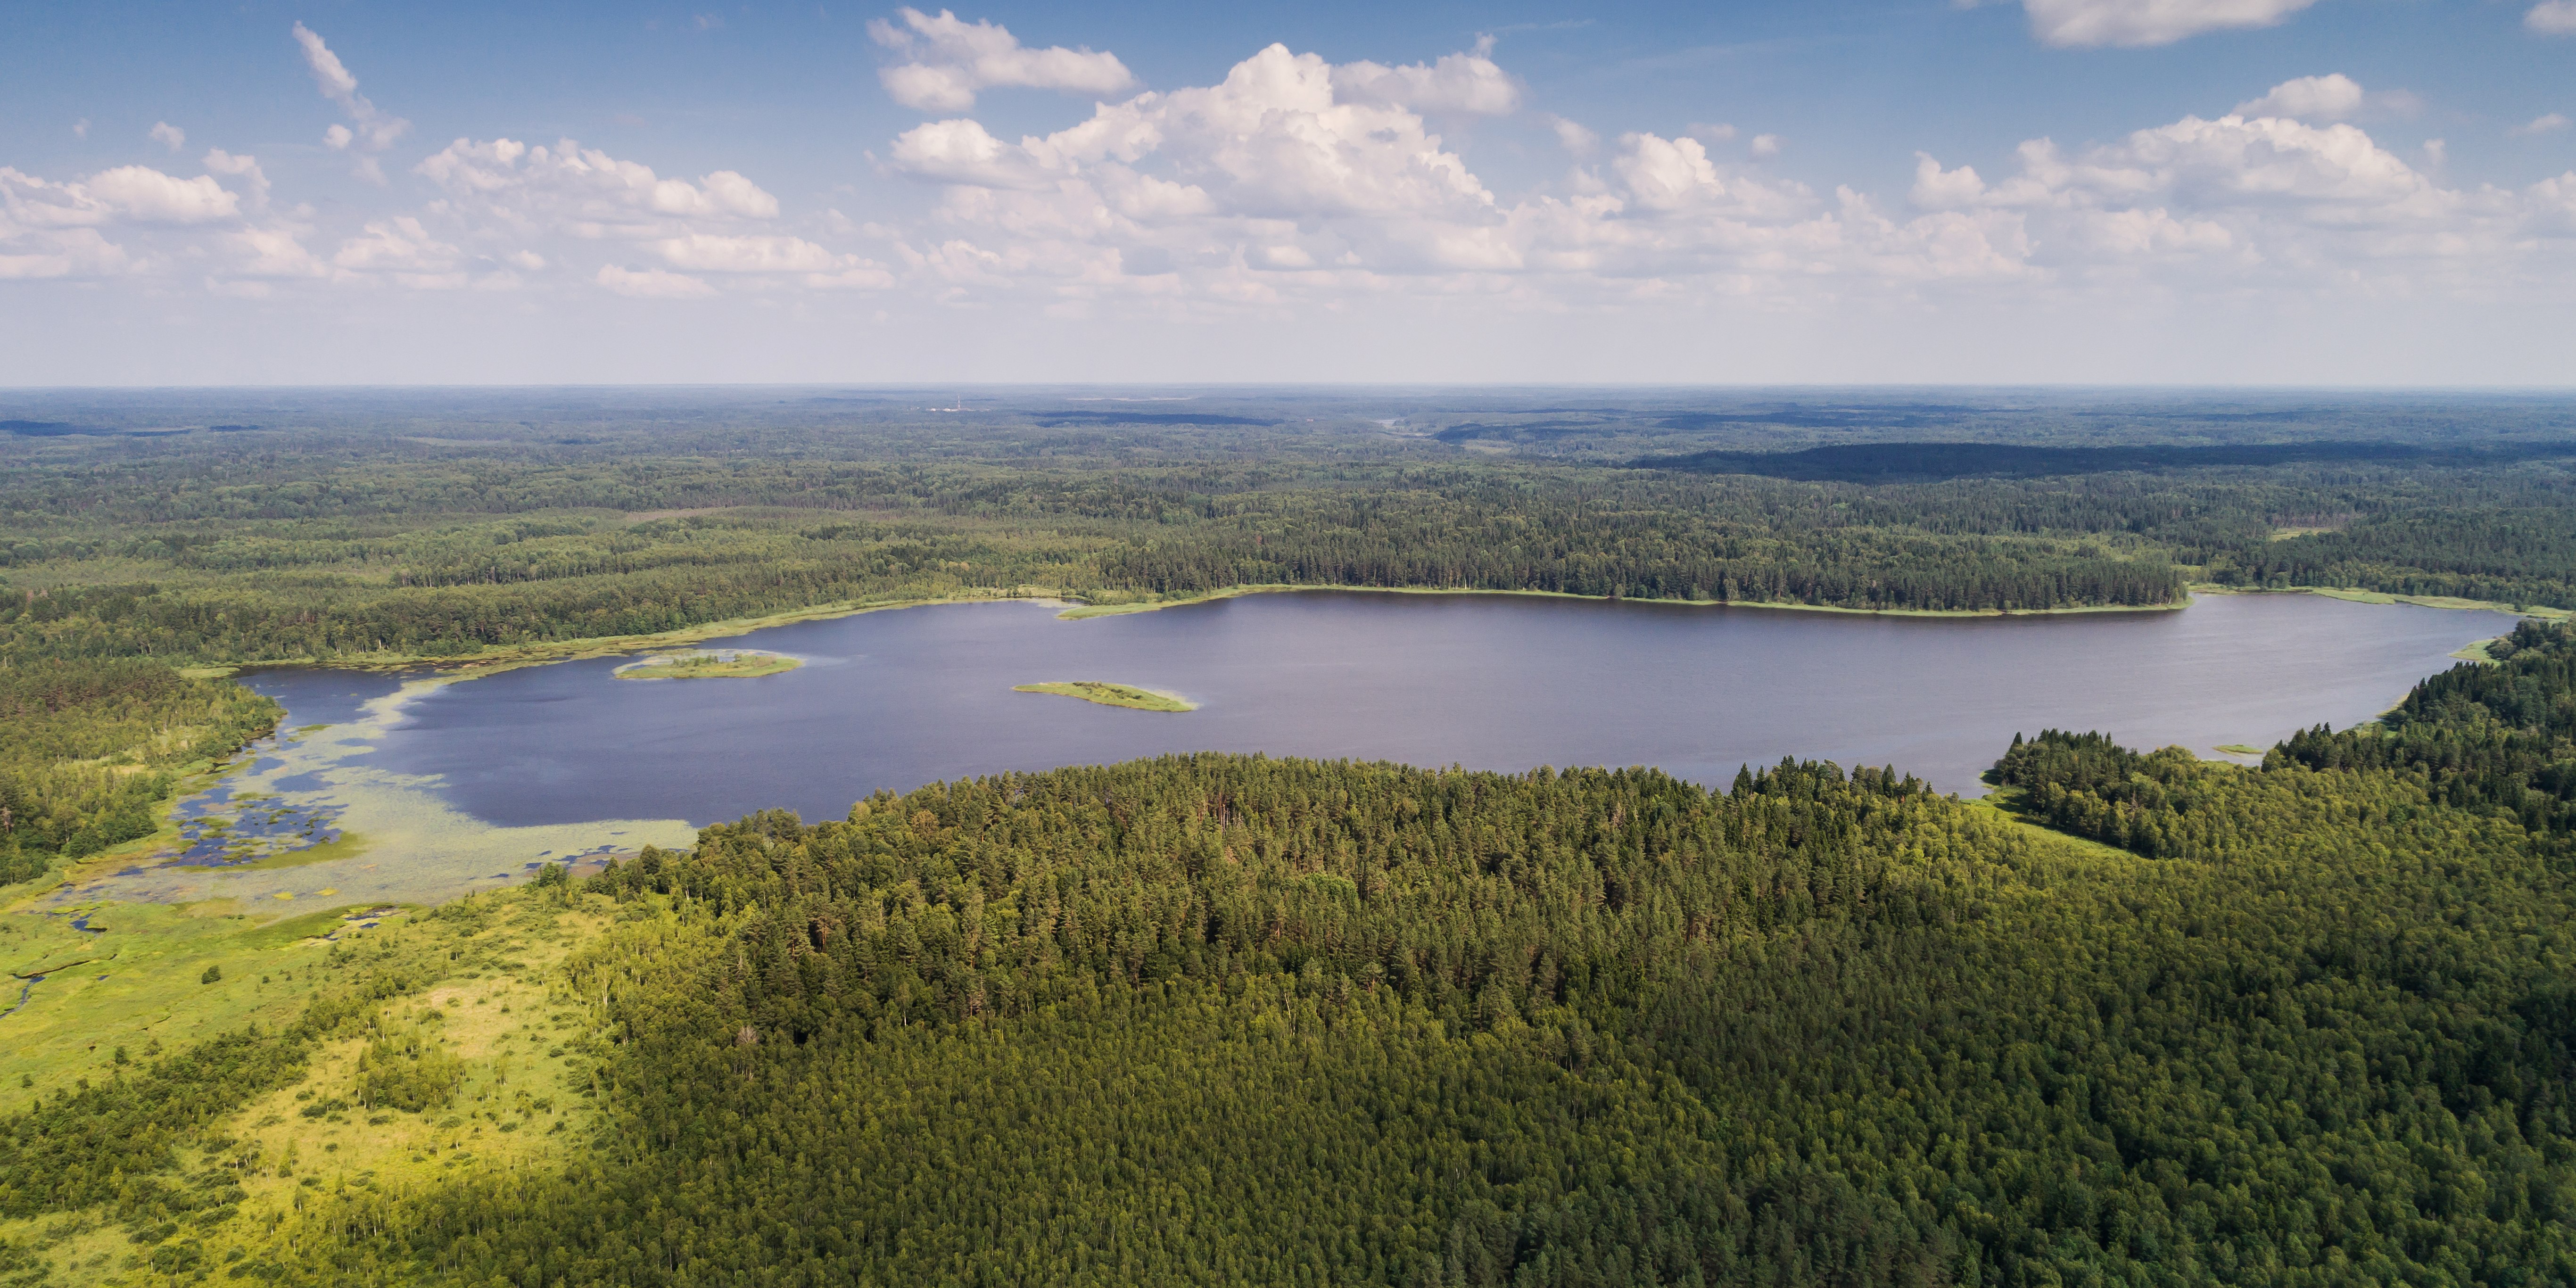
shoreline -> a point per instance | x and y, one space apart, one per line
511 657
1080 612
2355 595
467 666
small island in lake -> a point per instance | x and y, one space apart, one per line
709 664
1111 695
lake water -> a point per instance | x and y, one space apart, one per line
899 699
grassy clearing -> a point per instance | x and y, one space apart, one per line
1111 695
2005 804
135 981
517 1104
2238 749
518 1047
709 665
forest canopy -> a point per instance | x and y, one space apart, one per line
443 526
91 749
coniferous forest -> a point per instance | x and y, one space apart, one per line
1241 1019
2134 1019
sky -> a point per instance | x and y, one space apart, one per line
2190 192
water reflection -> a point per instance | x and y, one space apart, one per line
898 699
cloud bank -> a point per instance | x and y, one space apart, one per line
2140 23
1297 188
948 61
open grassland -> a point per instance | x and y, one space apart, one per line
135 983
1111 695
477 986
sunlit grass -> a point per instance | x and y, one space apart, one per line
709 665
1111 695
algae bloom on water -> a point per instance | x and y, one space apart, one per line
708 664
1111 695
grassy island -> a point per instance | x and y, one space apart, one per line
709 664
1111 695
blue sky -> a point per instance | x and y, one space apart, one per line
2167 191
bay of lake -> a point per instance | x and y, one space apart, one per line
897 699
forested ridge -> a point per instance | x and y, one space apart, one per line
350 544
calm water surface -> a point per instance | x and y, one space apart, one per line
898 699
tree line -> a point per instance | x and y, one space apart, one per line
339 545
92 748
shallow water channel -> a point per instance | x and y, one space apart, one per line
447 785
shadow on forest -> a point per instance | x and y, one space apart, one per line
1917 462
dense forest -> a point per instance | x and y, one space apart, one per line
425 531
2495 740
2138 1019
1233 1018
91 748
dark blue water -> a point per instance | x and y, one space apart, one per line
899 699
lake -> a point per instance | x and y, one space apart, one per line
901 698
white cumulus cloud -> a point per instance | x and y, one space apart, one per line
2150 22
2335 97
246 168
145 195
1573 137
2240 202
168 135
1462 82
1289 180
2552 18
584 191
374 130
1286 184
50 229
1294 184
269 252
502 193
949 60
962 151
403 251
2542 124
